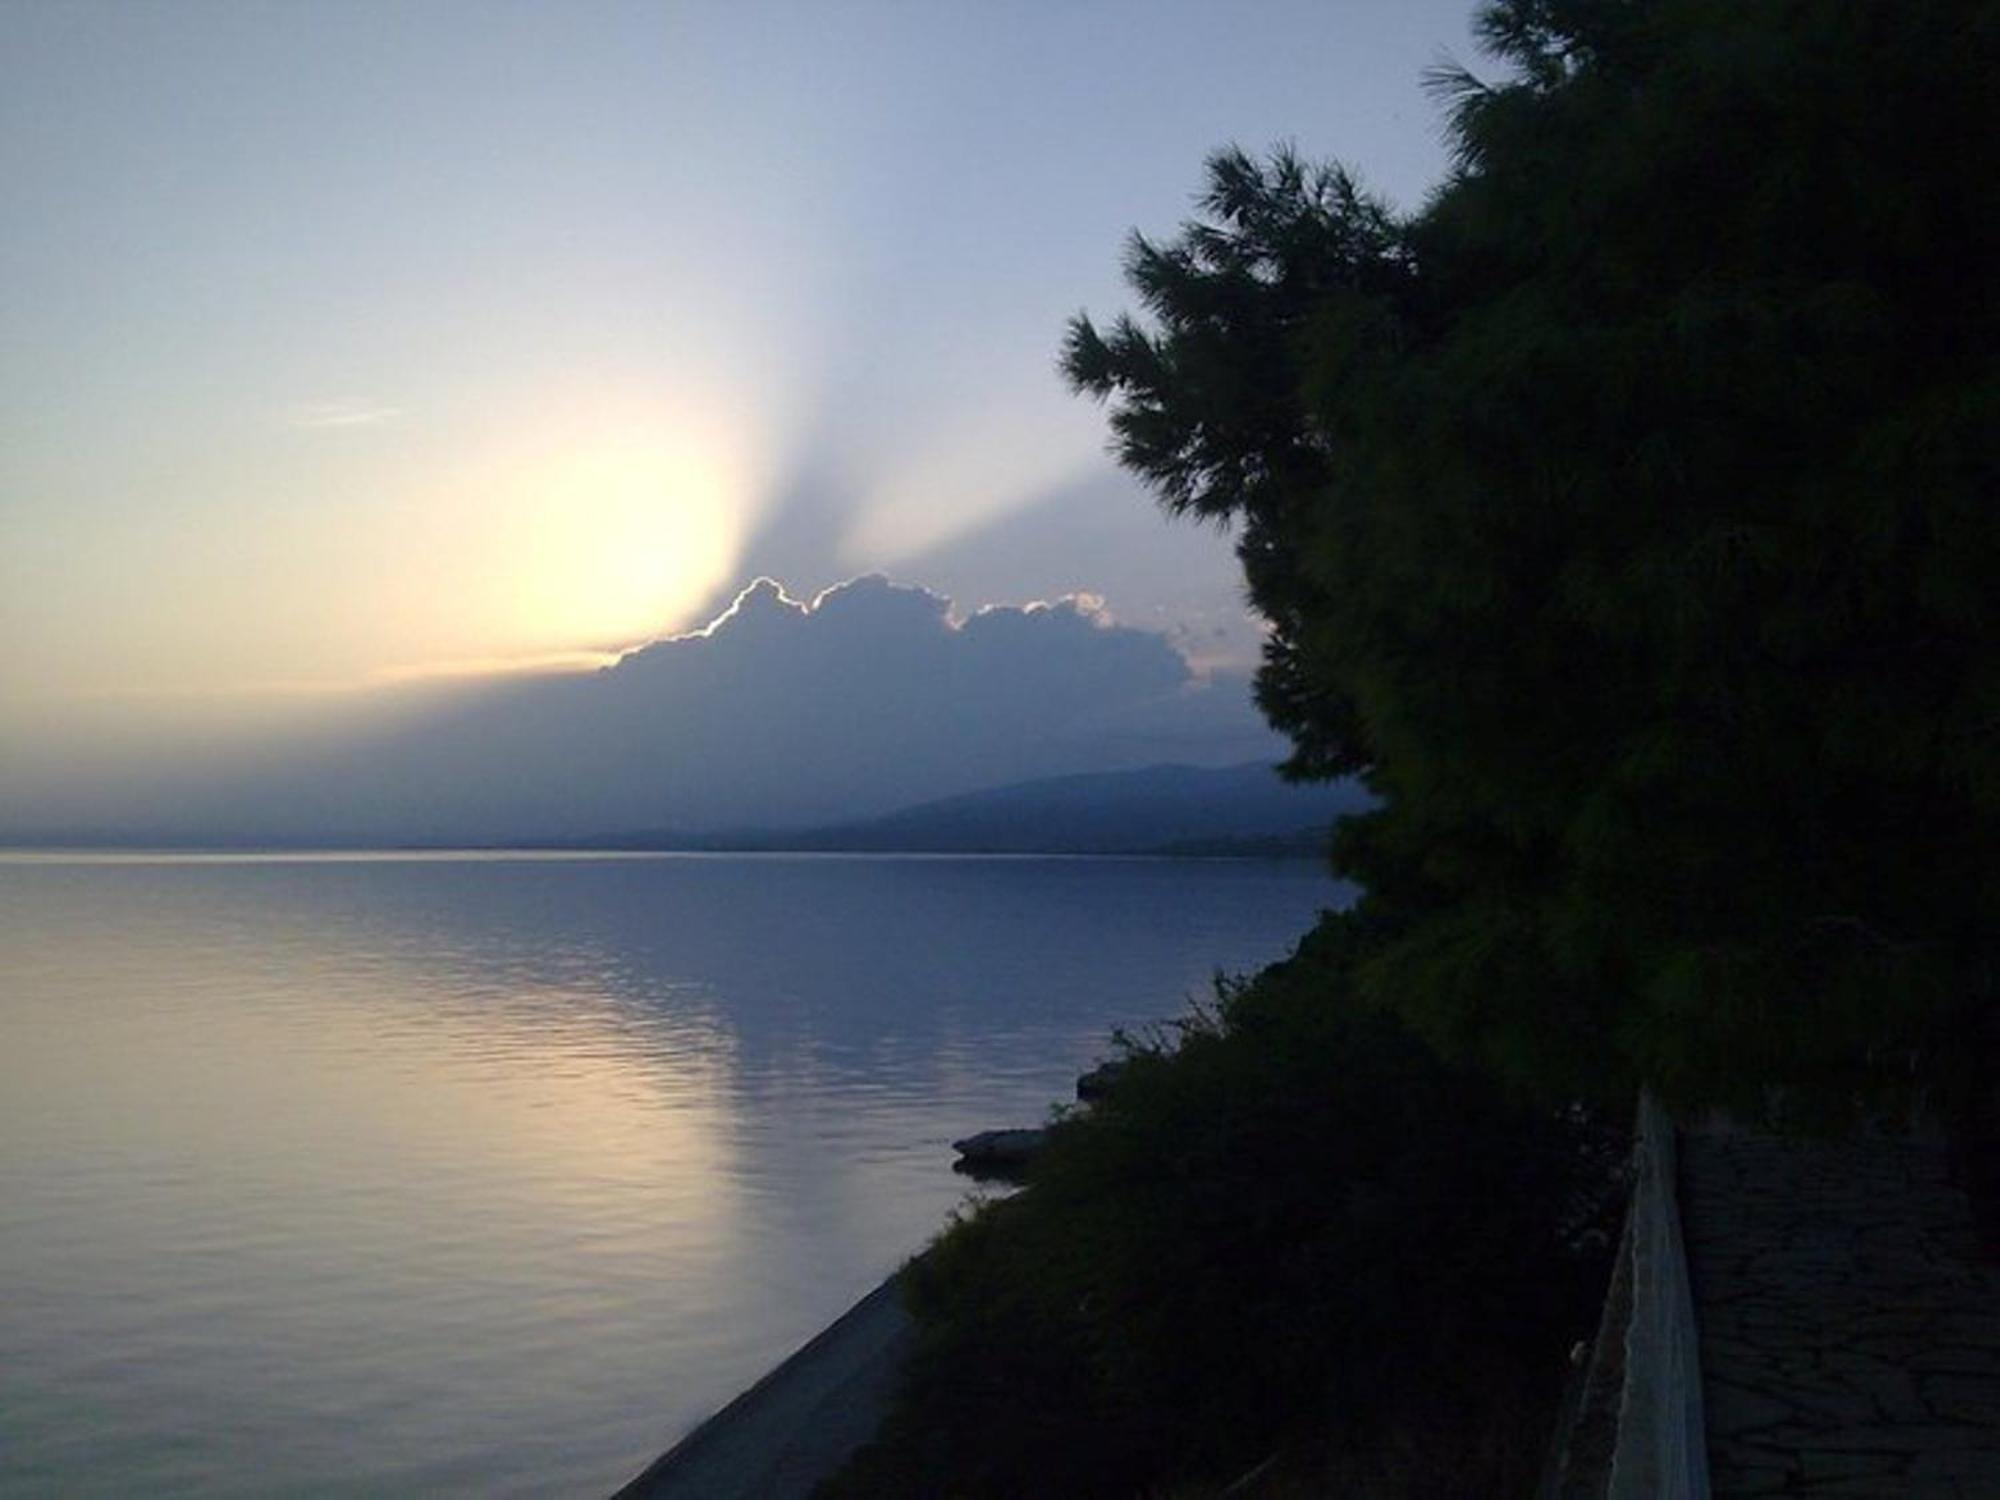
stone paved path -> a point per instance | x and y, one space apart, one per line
1850 1337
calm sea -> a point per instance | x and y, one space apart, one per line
492 1175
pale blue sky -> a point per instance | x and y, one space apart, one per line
340 342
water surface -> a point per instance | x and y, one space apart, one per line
491 1175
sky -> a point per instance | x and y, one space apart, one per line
350 348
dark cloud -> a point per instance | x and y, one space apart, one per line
870 697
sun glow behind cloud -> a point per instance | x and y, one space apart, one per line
561 526
543 526
611 532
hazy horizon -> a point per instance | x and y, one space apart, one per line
867 698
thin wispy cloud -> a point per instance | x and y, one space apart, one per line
539 663
453 669
330 415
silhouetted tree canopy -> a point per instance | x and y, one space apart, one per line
1625 514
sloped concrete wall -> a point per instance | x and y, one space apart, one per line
1661 1452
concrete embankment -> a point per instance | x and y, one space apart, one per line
799 1423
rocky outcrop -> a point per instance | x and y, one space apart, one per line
1004 1154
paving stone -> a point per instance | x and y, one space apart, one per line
1894 1390
1729 1408
1822 1465
1969 1467
1735 1478
1964 1398
1850 1342
1838 1407
1906 1437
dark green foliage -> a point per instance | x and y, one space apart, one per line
1627 514
1294 1227
1211 409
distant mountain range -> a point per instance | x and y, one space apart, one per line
1242 809
1169 809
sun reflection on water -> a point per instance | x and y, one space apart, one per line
492 1175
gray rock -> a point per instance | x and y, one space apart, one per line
999 1153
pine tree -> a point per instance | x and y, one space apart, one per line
1625 516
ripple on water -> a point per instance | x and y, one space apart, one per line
490 1176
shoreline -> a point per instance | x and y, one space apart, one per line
799 1422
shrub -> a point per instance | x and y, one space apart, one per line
1289 1225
